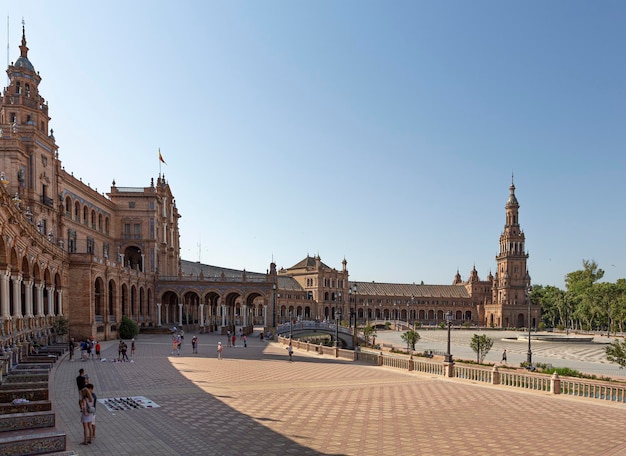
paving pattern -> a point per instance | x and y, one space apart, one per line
255 402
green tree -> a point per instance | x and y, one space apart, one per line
411 337
481 346
616 352
585 299
368 330
61 325
128 328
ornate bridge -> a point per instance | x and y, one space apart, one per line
305 328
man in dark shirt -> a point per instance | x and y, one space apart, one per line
81 380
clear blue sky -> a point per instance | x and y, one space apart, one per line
382 132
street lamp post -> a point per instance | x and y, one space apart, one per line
354 338
273 305
337 319
413 307
448 357
529 355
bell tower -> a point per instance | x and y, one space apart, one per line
512 282
28 154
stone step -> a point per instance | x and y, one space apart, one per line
25 377
32 420
23 386
32 366
34 359
7 396
24 443
33 406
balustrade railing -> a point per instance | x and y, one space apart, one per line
597 389
594 390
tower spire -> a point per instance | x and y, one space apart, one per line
23 47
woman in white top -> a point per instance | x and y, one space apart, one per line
86 414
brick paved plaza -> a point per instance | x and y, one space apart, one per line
254 402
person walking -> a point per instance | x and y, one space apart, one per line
228 338
194 344
132 347
86 414
71 348
220 349
504 356
290 352
89 386
233 339
245 341
80 380
98 349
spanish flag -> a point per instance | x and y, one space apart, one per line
161 157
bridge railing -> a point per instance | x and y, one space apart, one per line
284 328
591 389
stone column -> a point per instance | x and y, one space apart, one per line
244 309
223 315
180 313
39 293
202 315
17 296
50 311
158 314
60 304
265 315
5 305
28 297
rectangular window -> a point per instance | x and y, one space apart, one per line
90 245
131 204
137 230
126 230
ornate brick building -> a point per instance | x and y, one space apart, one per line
67 250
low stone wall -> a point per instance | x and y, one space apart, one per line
33 406
7 396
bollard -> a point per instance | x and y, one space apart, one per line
495 376
555 384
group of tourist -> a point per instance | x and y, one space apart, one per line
89 349
87 403
122 350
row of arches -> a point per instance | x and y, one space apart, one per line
111 302
82 213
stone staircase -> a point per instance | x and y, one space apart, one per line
27 422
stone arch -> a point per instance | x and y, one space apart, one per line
211 316
169 307
124 300
99 296
132 257
3 253
133 302
111 298
191 302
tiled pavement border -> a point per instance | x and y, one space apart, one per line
255 402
